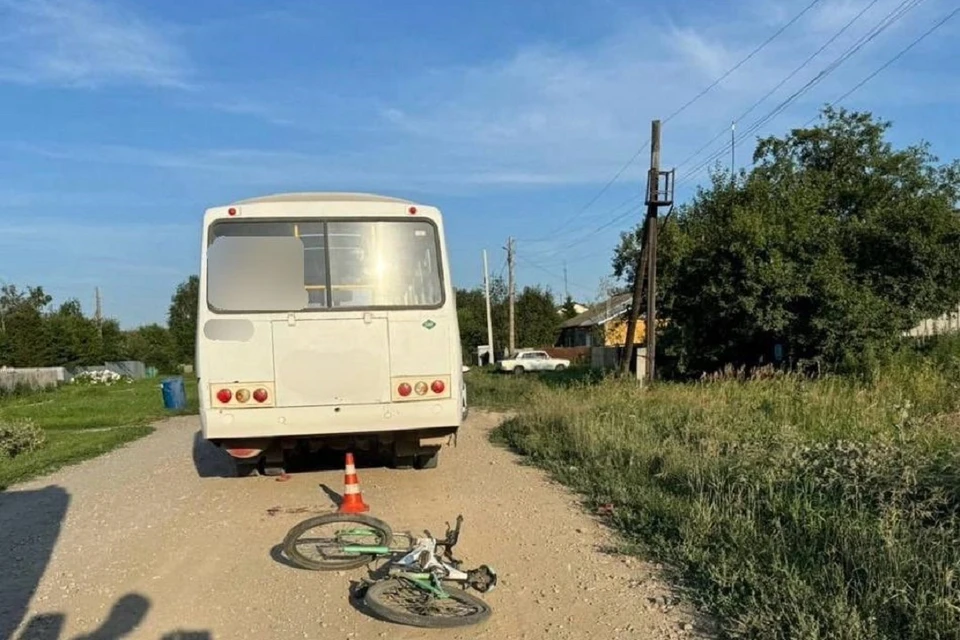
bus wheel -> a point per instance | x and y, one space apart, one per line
402 462
247 468
427 460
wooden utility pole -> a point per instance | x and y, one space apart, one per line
486 289
98 313
512 295
647 260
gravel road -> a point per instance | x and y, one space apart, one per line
154 541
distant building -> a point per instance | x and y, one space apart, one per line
579 308
604 324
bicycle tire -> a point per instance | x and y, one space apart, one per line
374 599
290 549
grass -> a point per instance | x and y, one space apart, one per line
788 508
82 422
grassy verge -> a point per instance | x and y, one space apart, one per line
789 508
81 422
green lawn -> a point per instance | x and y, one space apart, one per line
789 508
81 422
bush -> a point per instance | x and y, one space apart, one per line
20 437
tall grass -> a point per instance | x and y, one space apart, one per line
790 508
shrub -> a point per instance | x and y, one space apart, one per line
20 437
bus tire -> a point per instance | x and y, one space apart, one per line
247 468
403 462
427 460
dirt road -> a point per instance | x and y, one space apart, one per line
152 541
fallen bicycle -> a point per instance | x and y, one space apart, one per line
410 589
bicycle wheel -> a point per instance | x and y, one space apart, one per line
400 601
366 530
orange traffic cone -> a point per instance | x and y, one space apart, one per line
352 498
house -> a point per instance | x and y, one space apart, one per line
604 324
579 308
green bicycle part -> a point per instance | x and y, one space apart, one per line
359 549
426 581
357 532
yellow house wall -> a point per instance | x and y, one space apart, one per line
615 333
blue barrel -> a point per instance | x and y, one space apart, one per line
174 395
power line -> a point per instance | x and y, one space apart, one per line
891 18
619 214
677 112
783 81
542 269
889 62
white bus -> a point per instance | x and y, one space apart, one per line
327 320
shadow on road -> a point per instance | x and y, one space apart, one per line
125 616
32 520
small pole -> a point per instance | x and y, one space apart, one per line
486 289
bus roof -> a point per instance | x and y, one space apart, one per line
323 196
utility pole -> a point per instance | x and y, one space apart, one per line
733 149
647 260
512 294
486 290
566 285
98 313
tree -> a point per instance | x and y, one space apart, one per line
153 345
831 247
537 321
182 318
27 338
74 338
569 308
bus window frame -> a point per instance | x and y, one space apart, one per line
325 220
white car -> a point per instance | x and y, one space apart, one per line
533 361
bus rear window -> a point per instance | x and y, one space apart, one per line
346 264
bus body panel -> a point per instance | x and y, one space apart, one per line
331 361
331 371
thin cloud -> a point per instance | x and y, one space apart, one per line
82 43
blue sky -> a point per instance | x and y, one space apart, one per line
121 121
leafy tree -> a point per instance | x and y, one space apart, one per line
75 339
832 246
27 337
569 308
153 345
536 318
182 318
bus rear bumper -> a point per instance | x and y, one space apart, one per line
435 420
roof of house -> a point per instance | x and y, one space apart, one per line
601 313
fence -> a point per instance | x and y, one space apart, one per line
32 378
130 368
947 323
576 355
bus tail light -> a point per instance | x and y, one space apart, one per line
224 395
260 395
404 389
438 386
